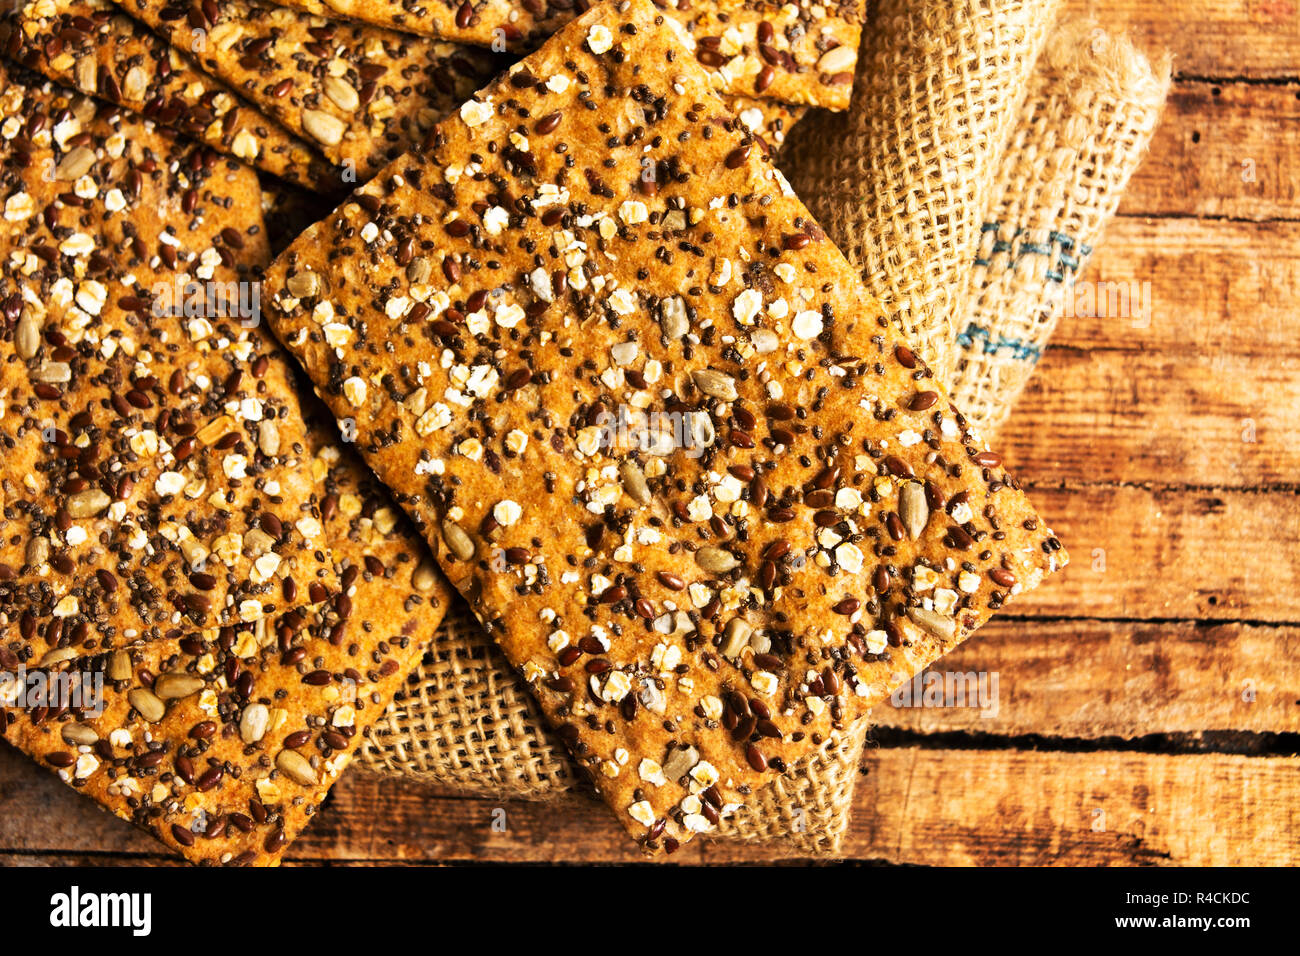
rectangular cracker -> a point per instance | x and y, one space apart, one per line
92 46
152 435
223 744
762 48
361 94
658 434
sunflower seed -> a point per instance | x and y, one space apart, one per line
343 95
715 560
838 59
672 315
296 767
134 83
57 656
715 384
87 74
942 627
634 482
79 735
27 337
268 438
119 666
461 544
322 127
680 762
75 163
87 504
253 723
173 686
735 636
303 285
425 577
913 508
38 551
151 708
651 697
418 270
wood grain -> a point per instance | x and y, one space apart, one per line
1252 39
1195 381
1090 679
1222 150
915 806
1020 808
1171 553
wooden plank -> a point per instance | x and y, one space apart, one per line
1215 420
1143 553
1014 808
1194 287
1211 38
1222 150
1092 679
1176 363
918 806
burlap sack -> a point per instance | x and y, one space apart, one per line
1092 107
900 181
464 720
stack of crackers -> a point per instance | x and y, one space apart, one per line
568 345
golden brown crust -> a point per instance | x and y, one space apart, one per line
359 93
152 433
673 454
91 46
751 47
224 743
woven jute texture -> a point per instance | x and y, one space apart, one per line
1092 107
465 721
900 181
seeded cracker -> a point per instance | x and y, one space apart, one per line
223 744
769 120
92 46
361 94
791 519
798 52
151 478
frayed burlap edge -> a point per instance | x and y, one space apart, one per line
1092 108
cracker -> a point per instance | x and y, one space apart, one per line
91 46
223 744
152 478
675 457
780 51
359 93
769 120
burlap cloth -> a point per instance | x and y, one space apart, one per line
1093 104
465 721
901 180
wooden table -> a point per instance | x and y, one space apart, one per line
1149 705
